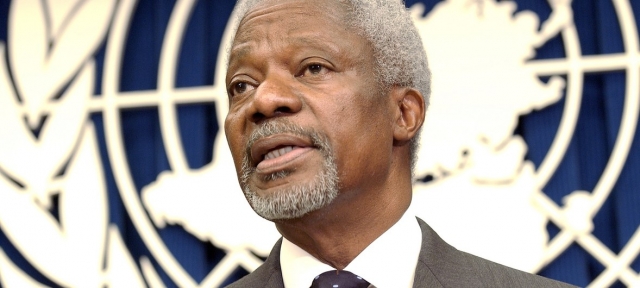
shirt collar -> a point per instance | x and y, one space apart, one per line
388 262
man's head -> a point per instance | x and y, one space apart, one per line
325 98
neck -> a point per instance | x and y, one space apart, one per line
336 234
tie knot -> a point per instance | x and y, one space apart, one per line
339 279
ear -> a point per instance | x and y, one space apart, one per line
410 111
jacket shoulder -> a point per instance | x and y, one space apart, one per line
497 275
442 265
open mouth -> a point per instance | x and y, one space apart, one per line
277 152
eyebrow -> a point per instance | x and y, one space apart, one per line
241 51
315 40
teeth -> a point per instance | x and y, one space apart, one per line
278 152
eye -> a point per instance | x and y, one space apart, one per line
314 69
240 87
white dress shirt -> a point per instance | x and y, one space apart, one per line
388 262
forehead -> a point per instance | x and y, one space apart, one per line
332 10
303 21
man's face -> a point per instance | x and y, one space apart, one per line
307 125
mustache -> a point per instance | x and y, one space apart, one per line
318 140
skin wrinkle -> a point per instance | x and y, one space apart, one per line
310 40
262 13
399 55
373 183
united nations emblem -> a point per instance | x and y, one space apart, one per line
512 97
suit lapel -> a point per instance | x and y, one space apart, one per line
424 275
275 281
425 278
440 264
273 273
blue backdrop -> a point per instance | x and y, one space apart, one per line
581 168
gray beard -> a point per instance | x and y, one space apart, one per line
298 199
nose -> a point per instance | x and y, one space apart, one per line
274 97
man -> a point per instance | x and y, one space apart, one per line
326 103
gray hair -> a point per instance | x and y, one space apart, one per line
300 198
400 57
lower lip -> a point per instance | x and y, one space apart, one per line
281 162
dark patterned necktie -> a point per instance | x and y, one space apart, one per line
339 279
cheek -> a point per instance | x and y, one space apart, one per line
356 133
369 131
234 132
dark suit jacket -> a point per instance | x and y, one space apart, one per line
439 265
